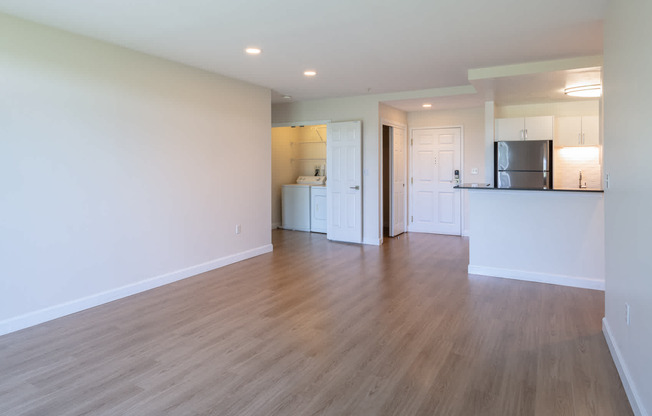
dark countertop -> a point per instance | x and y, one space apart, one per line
487 186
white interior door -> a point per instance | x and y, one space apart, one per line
435 205
344 182
399 174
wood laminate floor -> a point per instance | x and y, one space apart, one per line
321 328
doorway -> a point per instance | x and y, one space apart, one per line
436 165
298 149
394 180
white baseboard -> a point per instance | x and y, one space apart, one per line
554 279
67 308
373 241
466 233
623 371
424 231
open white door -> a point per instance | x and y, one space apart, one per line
344 181
435 205
397 225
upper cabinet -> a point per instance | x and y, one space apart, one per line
528 128
577 131
510 129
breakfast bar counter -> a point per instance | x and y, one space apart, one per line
549 236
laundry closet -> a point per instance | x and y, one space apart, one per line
299 178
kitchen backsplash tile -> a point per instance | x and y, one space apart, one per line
568 161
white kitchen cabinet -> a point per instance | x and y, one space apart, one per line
577 131
591 130
509 129
528 128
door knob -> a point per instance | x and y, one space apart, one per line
354 187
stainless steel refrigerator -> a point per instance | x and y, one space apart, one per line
523 164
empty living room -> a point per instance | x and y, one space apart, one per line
146 267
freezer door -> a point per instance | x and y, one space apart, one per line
523 180
523 155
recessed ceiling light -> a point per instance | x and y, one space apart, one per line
594 90
253 51
287 97
427 105
310 73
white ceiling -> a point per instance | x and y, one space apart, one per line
357 47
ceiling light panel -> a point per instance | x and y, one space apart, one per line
594 90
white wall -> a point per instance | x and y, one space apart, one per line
628 200
590 107
472 121
349 109
117 167
392 115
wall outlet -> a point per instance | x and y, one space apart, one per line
238 229
474 171
627 310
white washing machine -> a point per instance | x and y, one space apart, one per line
318 207
295 203
296 207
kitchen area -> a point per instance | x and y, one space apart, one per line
573 129
542 219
